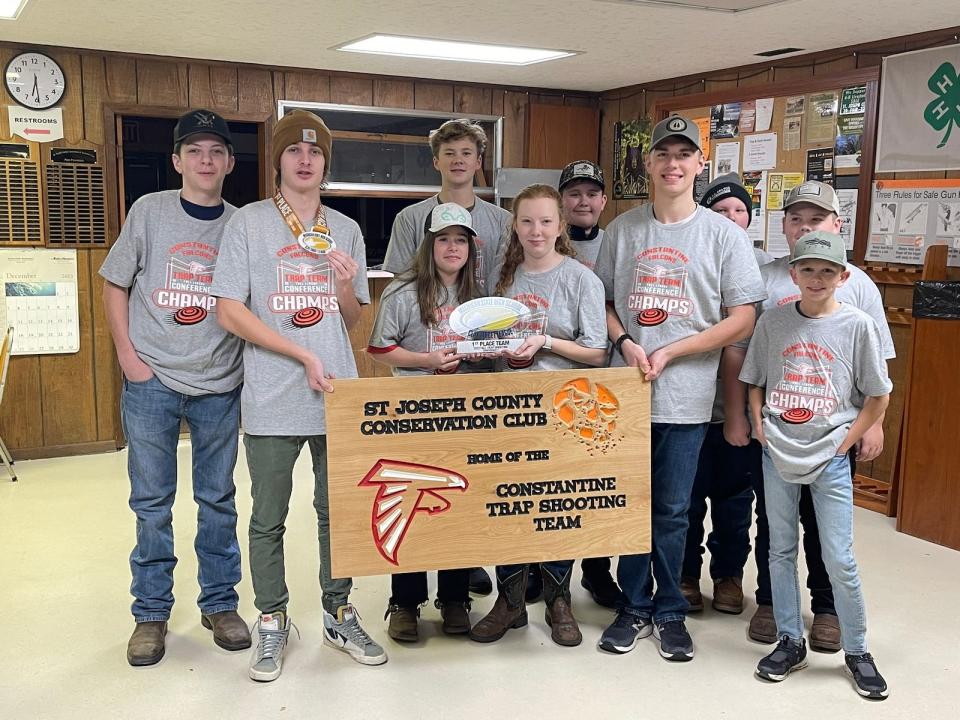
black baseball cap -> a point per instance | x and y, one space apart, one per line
201 121
581 170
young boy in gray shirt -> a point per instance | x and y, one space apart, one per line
818 382
290 281
178 364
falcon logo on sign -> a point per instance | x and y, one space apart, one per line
403 490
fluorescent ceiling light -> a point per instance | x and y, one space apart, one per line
415 47
9 9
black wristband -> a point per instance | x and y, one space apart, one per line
620 340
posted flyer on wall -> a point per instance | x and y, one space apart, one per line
908 216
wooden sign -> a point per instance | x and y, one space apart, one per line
441 472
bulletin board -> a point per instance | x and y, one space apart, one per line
777 136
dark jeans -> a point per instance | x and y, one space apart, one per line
410 589
818 582
674 450
725 475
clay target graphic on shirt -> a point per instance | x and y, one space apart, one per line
797 416
651 317
185 287
306 292
189 315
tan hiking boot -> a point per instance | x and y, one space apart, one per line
146 645
825 633
403 623
229 630
690 587
728 595
763 626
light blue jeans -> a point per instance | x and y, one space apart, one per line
832 494
151 415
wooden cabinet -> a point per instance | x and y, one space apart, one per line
560 134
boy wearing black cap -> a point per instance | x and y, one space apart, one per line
668 267
729 459
291 278
818 382
178 364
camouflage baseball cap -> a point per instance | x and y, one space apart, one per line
581 170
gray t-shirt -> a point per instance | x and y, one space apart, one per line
859 290
668 282
565 302
817 373
398 324
167 259
587 250
293 292
492 223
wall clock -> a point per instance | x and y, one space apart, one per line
35 80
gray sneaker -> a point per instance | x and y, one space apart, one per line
343 632
267 658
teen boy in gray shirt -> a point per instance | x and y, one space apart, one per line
178 364
668 267
818 382
292 293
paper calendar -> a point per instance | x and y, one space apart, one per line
38 297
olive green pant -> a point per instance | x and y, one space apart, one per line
270 459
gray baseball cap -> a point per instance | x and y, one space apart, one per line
675 126
816 193
820 245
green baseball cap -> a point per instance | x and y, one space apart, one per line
820 245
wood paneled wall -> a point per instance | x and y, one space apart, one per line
64 404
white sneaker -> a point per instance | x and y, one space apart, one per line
267 658
343 632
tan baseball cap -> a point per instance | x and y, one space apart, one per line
816 193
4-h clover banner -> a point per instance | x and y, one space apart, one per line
920 111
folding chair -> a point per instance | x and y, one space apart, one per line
5 349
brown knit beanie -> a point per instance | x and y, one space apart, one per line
301 126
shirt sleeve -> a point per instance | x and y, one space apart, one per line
606 261
740 280
361 288
592 313
126 258
387 330
754 370
402 245
231 279
870 368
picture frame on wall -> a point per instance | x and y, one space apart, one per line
630 141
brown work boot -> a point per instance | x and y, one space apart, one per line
403 623
456 616
509 611
825 633
229 630
690 587
728 595
559 613
146 645
763 626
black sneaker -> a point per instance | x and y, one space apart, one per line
675 642
602 588
480 583
622 634
867 679
789 655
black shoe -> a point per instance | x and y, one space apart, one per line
789 655
603 589
867 679
675 642
623 634
534 585
480 583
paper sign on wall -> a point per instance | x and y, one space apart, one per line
36 125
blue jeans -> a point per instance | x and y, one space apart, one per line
725 476
832 494
674 450
151 414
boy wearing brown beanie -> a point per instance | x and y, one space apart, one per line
291 279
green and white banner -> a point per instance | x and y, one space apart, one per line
920 111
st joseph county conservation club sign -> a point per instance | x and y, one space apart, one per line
438 472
